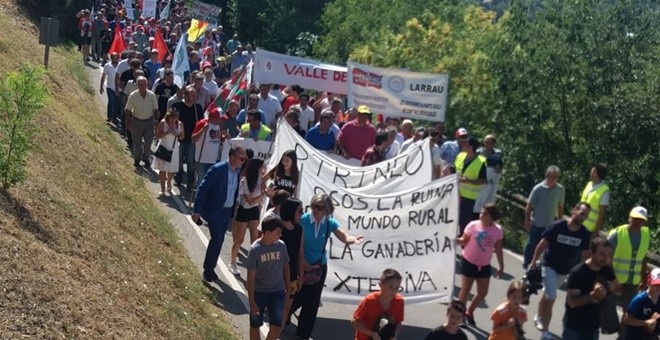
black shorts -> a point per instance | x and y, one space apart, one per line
247 215
86 40
472 271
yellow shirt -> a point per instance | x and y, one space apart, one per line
142 108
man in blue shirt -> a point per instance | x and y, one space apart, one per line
214 202
320 136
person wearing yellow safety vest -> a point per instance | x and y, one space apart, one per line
471 169
253 128
597 194
631 243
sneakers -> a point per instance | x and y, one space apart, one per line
538 323
469 319
234 269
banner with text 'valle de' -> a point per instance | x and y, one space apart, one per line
412 231
410 169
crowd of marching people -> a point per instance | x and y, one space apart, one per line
287 261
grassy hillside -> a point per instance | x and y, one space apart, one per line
84 250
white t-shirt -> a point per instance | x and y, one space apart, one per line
270 107
306 117
244 190
110 72
212 87
211 141
393 150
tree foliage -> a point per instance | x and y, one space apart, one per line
454 40
276 25
21 96
569 83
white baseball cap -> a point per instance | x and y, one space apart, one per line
639 212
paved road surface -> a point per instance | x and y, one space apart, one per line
333 319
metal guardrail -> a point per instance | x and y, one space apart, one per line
520 201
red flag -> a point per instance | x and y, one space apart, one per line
160 45
118 44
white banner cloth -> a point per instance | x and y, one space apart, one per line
397 92
148 8
275 68
410 169
412 231
205 12
261 149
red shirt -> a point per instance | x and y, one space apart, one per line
288 102
357 139
369 311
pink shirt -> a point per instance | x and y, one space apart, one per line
357 139
480 246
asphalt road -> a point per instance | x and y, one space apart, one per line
333 319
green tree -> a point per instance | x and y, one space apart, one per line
276 25
453 40
21 96
578 85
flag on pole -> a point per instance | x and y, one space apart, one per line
234 90
180 63
160 45
165 13
118 44
197 28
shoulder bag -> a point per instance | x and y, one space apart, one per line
313 275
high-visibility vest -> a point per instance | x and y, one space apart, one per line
466 190
627 262
593 198
264 131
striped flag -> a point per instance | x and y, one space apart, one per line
180 63
234 90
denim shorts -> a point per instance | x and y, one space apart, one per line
273 303
551 281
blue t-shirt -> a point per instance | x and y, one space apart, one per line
563 246
315 240
153 68
320 141
642 308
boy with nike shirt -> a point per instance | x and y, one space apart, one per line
640 319
268 266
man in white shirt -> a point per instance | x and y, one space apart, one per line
209 83
109 70
269 106
207 139
306 112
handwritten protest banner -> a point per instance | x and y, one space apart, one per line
412 231
397 92
409 169
275 68
149 8
261 149
205 12
128 6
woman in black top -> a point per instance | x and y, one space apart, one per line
290 212
286 175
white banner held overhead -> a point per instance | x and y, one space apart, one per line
411 231
148 8
398 93
410 169
275 68
128 6
205 12
260 149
